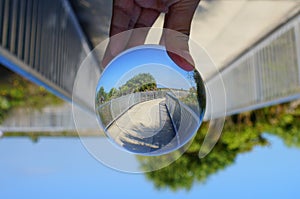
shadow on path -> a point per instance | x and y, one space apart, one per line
149 144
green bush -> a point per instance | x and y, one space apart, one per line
16 91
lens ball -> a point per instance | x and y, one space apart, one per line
148 105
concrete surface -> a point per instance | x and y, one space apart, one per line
143 128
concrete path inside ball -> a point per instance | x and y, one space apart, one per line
144 128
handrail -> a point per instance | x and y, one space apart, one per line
267 74
184 119
42 41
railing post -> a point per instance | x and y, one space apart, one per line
256 79
297 39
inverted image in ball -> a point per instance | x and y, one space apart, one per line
148 105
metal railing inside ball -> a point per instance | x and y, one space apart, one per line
183 118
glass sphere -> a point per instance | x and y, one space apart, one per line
148 105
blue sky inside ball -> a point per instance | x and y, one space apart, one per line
151 59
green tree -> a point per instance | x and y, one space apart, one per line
282 121
189 169
139 83
112 93
241 134
200 89
102 96
147 87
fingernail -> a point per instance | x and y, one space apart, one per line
185 61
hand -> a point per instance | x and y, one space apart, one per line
131 14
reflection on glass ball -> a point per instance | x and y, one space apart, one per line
148 105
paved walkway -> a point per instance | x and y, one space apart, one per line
146 127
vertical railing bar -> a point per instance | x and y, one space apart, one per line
38 36
2 2
60 51
54 42
21 35
43 37
67 51
5 23
270 69
278 60
295 59
297 37
259 75
285 53
57 40
58 46
27 33
33 32
274 57
13 31
47 39
290 63
254 77
288 53
51 41
265 74
262 73
63 63
65 48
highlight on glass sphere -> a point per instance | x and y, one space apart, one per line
148 105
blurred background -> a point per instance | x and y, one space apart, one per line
254 44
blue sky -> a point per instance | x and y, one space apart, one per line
62 168
151 60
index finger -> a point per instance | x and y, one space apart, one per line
125 12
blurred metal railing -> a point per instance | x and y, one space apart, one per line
42 41
268 73
53 118
50 119
183 118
